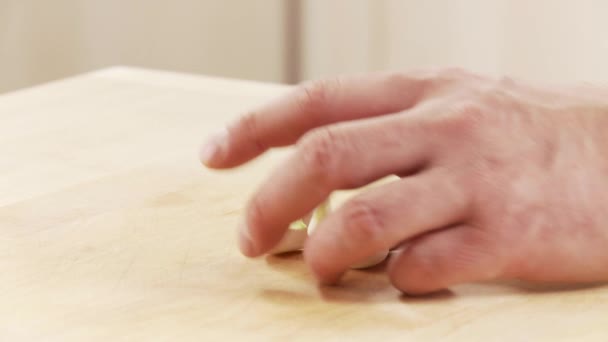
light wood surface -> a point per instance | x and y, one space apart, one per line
110 230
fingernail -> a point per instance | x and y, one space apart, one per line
214 144
245 243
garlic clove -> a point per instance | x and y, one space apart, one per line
299 224
293 240
319 215
371 261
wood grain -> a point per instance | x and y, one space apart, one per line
111 230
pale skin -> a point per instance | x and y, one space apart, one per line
500 179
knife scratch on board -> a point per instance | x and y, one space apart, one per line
183 263
124 273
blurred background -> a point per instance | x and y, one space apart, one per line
293 40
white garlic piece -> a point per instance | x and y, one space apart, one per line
319 215
371 261
293 240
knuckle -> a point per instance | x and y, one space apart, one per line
415 85
459 74
319 152
249 127
363 222
433 80
464 120
400 79
315 95
506 81
469 110
458 80
449 75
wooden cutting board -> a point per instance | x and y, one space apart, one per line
110 230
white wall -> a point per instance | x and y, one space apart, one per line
551 40
548 40
42 40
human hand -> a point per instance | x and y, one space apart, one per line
500 179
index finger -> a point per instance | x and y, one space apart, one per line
283 121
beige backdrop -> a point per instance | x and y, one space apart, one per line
552 40
42 40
